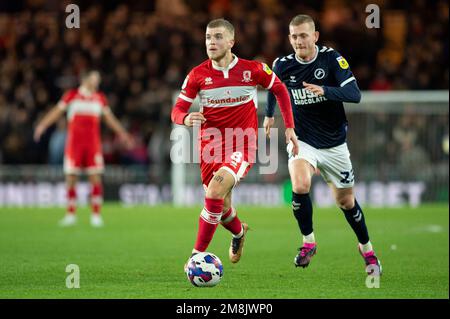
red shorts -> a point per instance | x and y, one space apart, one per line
83 157
237 165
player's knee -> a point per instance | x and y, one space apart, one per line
301 186
215 193
346 202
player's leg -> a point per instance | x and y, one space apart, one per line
231 222
72 164
354 215
337 170
219 186
230 219
301 172
71 199
94 168
96 197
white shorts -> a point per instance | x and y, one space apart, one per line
334 163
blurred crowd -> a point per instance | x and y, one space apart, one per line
144 49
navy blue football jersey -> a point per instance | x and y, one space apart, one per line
319 121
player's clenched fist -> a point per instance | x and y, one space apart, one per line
194 118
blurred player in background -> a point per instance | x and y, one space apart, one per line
83 150
319 80
227 86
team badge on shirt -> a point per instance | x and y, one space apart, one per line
267 69
247 76
342 62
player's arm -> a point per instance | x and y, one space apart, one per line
347 91
48 120
281 93
113 123
180 111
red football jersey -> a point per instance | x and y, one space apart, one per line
228 99
84 115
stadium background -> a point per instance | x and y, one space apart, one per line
398 135
145 48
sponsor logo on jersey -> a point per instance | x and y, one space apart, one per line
292 79
246 76
342 62
208 81
319 73
229 100
267 69
304 97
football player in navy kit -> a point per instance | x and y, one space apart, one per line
319 80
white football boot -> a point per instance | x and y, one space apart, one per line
96 220
68 220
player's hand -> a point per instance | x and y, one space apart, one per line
194 118
316 89
268 123
127 140
291 137
38 131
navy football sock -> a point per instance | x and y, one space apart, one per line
355 218
303 211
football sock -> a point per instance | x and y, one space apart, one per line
355 218
71 200
303 211
231 221
96 198
309 238
208 222
366 247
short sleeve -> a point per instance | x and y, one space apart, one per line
189 88
66 98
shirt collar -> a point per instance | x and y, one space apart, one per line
308 62
230 66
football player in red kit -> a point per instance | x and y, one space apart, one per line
85 106
227 87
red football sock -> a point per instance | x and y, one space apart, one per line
231 221
96 198
71 196
208 221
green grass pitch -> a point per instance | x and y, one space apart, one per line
141 251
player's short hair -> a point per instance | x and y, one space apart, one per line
86 73
217 23
302 18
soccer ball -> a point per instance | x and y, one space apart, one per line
204 270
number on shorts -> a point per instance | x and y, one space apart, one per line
348 177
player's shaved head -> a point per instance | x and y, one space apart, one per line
301 19
217 23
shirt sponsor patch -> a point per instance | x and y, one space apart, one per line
342 62
267 69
